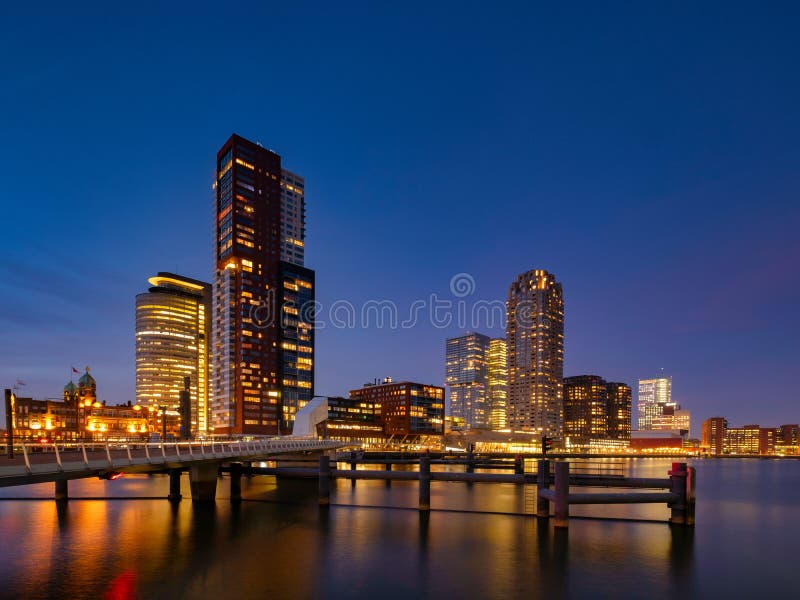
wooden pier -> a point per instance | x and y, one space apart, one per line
679 485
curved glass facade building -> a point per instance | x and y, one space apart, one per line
535 338
173 332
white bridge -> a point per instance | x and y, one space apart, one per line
42 463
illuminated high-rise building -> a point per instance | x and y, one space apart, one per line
173 333
713 435
259 253
654 395
585 409
596 410
293 218
297 341
498 384
467 379
535 338
619 410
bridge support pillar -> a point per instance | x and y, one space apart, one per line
174 485
425 484
236 482
324 480
562 495
248 468
542 483
388 470
203 481
62 493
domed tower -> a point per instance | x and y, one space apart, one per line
87 389
70 394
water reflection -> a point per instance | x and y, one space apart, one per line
277 543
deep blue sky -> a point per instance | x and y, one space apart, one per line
645 153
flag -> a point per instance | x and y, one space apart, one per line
20 382
74 370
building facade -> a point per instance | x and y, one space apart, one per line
596 411
585 409
535 338
405 409
80 416
498 384
297 341
654 395
713 435
619 410
173 335
467 379
293 218
255 229
672 418
719 439
743 440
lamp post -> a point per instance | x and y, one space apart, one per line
163 423
10 400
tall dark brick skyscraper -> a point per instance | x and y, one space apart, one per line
262 338
535 338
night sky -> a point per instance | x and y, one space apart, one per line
645 153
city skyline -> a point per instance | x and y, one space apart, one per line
693 214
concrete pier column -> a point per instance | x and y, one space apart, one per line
424 483
236 482
542 483
62 493
353 467
174 485
324 480
248 468
519 466
562 495
678 476
203 481
388 469
470 460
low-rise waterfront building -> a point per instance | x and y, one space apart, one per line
406 409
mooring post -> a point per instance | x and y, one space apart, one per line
236 482
324 480
424 483
691 480
542 483
678 476
62 492
562 495
470 460
353 468
388 469
174 485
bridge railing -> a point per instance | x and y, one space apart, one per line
124 454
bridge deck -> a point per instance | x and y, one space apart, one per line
42 463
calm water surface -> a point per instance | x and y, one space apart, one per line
278 544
